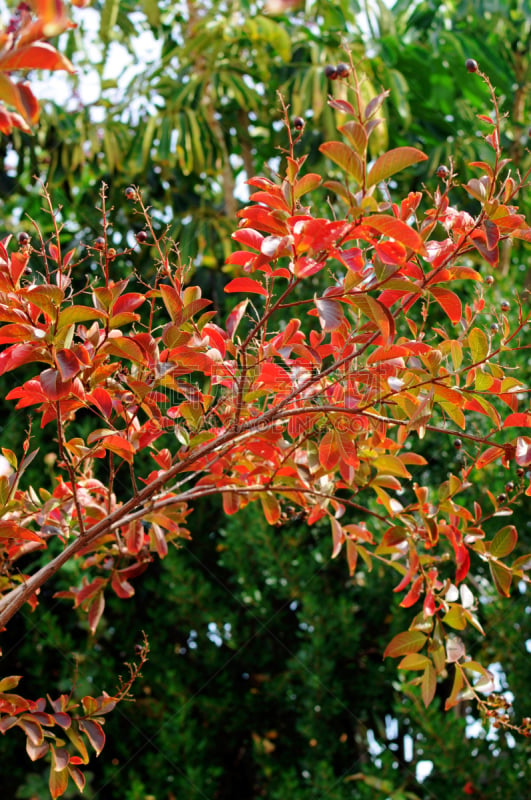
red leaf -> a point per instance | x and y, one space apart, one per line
414 593
449 302
68 363
353 258
521 420
489 455
76 774
121 587
246 285
235 317
330 313
9 529
248 237
127 302
102 400
19 354
392 253
329 450
94 732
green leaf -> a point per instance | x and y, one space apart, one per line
414 661
405 643
394 161
390 465
456 617
152 12
109 16
6 684
504 542
479 345
502 577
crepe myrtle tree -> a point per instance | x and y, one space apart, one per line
361 339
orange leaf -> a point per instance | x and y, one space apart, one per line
404 643
58 782
39 55
394 161
345 157
428 685
271 507
449 302
398 230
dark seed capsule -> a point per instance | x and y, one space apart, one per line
471 65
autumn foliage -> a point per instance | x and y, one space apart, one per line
352 340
